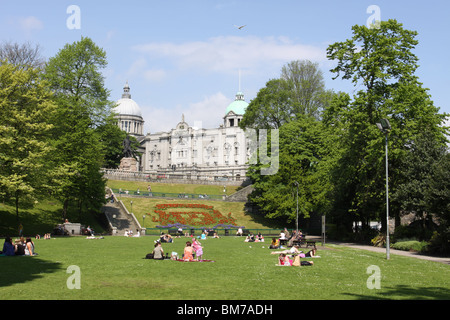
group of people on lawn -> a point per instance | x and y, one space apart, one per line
20 247
193 247
291 257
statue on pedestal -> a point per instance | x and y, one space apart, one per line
128 162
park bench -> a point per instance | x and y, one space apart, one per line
305 242
175 232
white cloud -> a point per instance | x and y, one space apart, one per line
140 68
154 75
30 24
208 112
227 53
257 57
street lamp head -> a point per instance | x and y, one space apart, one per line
384 125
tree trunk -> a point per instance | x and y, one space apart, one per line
65 206
17 207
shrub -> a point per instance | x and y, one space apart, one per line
440 242
411 245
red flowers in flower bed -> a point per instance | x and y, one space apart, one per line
200 215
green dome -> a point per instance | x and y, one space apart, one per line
238 106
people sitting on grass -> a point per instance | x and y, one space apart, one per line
158 252
29 248
250 238
9 249
275 244
188 252
197 246
259 237
167 238
20 246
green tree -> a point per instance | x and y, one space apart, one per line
83 106
112 138
25 150
307 87
303 152
381 63
270 109
300 91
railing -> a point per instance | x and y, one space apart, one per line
170 176
186 196
219 231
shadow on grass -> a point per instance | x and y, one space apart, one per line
270 223
404 292
21 269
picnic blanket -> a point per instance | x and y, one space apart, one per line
181 260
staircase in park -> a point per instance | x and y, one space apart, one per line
120 219
241 195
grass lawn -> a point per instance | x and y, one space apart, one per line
132 186
115 268
146 206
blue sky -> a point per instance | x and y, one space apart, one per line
185 56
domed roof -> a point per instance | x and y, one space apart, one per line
126 105
238 106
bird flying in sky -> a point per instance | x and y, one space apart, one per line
240 27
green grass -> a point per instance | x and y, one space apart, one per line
43 217
40 219
132 186
115 268
143 206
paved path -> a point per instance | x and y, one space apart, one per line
445 260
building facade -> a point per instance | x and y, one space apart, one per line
187 152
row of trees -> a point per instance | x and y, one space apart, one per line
329 142
56 126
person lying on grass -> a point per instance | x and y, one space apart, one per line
284 260
309 254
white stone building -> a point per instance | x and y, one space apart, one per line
187 152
